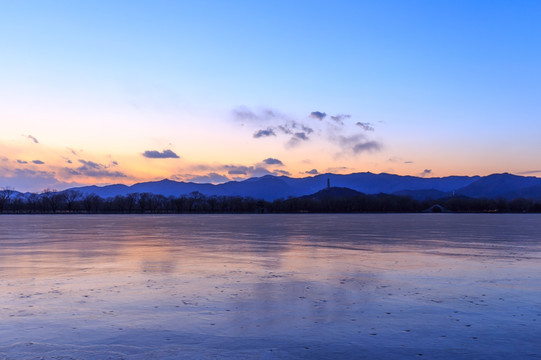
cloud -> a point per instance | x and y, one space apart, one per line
73 151
22 162
244 114
293 142
272 161
281 172
270 122
259 171
94 173
337 169
264 133
90 165
312 172
238 170
274 123
93 169
340 118
356 143
396 159
365 126
301 135
38 162
249 171
213 178
347 141
529 172
263 115
307 129
30 180
318 115
368 146
165 154
297 139
426 172
32 138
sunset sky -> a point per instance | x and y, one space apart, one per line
101 92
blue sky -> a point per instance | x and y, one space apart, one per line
447 86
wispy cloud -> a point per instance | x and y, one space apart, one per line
212 178
29 180
165 154
396 159
32 138
365 126
332 129
245 114
297 139
281 172
90 165
337 169
74 152
356 144
94 169
529 172
340 118
368 146
426 172
22 161
37 162
249 171
275 123
312 172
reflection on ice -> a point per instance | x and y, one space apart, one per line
270 286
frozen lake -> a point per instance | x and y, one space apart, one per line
385 286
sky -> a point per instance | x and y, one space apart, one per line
105 92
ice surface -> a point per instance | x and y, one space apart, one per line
386 286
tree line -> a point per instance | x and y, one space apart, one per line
73 201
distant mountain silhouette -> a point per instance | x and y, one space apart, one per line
333 192
501 185
275 187
533 192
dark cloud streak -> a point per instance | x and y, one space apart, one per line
369 146
272 161
264 133
165 154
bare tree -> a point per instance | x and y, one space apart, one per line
5 195
71 197
52 199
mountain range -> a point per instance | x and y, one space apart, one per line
270 187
